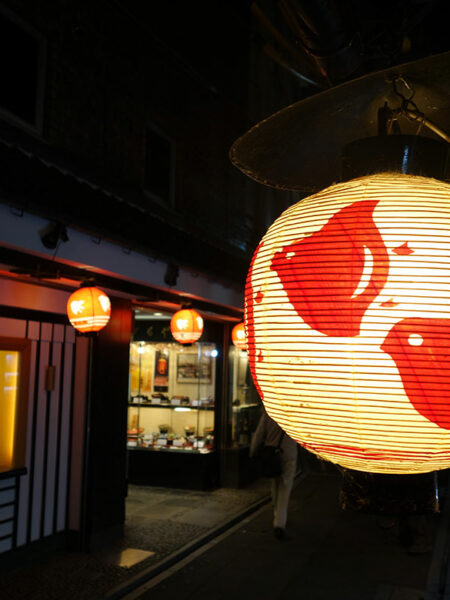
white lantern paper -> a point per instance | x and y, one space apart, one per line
348 323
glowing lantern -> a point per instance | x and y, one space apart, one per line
186 326
348 323
88 309
238 336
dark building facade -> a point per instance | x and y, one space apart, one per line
115 124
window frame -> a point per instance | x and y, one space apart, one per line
38 126
170 204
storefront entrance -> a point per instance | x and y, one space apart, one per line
191 407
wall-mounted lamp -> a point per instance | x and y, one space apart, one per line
52 234
171 275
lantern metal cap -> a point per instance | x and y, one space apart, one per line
408 154
299 148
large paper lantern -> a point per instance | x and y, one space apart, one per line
186 326
238 336
88 309
348 323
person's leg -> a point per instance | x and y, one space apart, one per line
275 483
285 482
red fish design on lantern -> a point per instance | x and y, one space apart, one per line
322 272
322 291
421 350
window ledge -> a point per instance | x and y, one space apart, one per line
13 472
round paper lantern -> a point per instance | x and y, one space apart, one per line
348 323
238 336
88 309
186 326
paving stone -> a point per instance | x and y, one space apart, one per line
204 517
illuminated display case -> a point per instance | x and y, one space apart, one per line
173 405
171 401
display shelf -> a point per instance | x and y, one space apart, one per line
172 406
172 449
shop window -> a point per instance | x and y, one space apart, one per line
21 71
14 370
159 166
246 405
171 396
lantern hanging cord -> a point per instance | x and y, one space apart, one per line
409 109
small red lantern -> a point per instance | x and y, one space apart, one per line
88 309
238 336
186 326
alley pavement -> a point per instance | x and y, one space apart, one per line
330 554
161 525
220 546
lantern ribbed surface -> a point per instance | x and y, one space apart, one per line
347 316
88 309
186 326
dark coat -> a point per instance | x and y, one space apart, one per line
268 433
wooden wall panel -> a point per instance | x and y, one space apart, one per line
65 435
38 452
42 492
52 450
78 432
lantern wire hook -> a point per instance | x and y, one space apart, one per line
409 109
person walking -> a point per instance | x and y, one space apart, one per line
269 433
